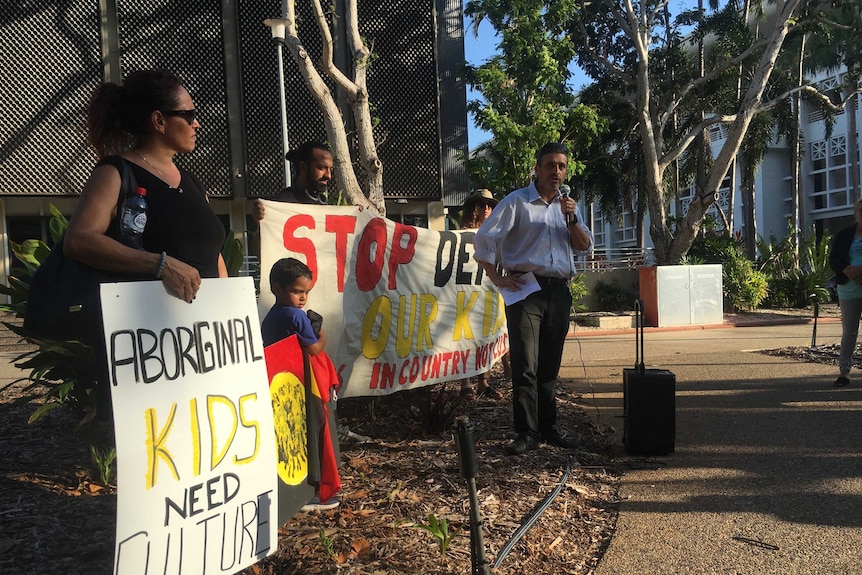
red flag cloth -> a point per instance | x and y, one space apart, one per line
324 378
286 355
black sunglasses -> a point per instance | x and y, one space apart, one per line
187 115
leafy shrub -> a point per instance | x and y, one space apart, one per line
578 288
713 248
611 297
744 287
796 282
797 288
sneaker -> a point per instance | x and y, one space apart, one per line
554 437
347 437
522 444
315 504
842 381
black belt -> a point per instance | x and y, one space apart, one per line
546 281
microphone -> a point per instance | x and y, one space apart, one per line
565 190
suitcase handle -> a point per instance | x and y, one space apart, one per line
639 336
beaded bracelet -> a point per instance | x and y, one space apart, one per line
162 261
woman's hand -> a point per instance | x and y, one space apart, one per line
854 273
181 279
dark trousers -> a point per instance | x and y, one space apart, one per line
537 326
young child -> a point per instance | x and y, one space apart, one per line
290 281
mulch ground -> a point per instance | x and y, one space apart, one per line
57 516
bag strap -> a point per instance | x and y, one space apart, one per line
128 185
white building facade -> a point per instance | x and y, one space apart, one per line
828 187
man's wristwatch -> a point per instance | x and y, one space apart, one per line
573 221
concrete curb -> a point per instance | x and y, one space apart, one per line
589 332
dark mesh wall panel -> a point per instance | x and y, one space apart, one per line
403 89
453 98
265 166
56 53
186 38
50 63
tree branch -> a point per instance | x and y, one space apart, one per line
814 92
326 62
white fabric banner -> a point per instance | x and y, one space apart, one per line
403 307
196 454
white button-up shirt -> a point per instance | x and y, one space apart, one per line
527 234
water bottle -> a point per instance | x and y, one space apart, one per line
134 218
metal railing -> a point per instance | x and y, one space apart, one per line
603 259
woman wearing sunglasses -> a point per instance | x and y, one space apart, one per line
144 123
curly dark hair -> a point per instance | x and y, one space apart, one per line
305 152
117 114
286 270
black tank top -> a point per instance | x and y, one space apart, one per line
180 221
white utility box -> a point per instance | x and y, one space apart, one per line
681 295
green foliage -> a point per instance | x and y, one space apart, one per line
104 460
611 297
233 253
327 542
797 288
796 282
526 101
744 287
440 530
29 255
61 373
713 248
579 290
58 223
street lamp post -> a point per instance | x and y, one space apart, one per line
277 26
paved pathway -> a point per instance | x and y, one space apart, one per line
767 473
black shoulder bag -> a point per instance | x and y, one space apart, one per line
63 303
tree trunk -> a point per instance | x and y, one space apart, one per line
366 192
738 128
853 146
796 157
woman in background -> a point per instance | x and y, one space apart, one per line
473 213
845 259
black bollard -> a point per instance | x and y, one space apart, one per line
814 331
469 471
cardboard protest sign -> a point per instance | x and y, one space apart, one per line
196 455
403 307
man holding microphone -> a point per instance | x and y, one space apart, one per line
536 230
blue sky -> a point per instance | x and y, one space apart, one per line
478 49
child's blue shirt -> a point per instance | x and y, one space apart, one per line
282 321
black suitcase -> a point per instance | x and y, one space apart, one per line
649 402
